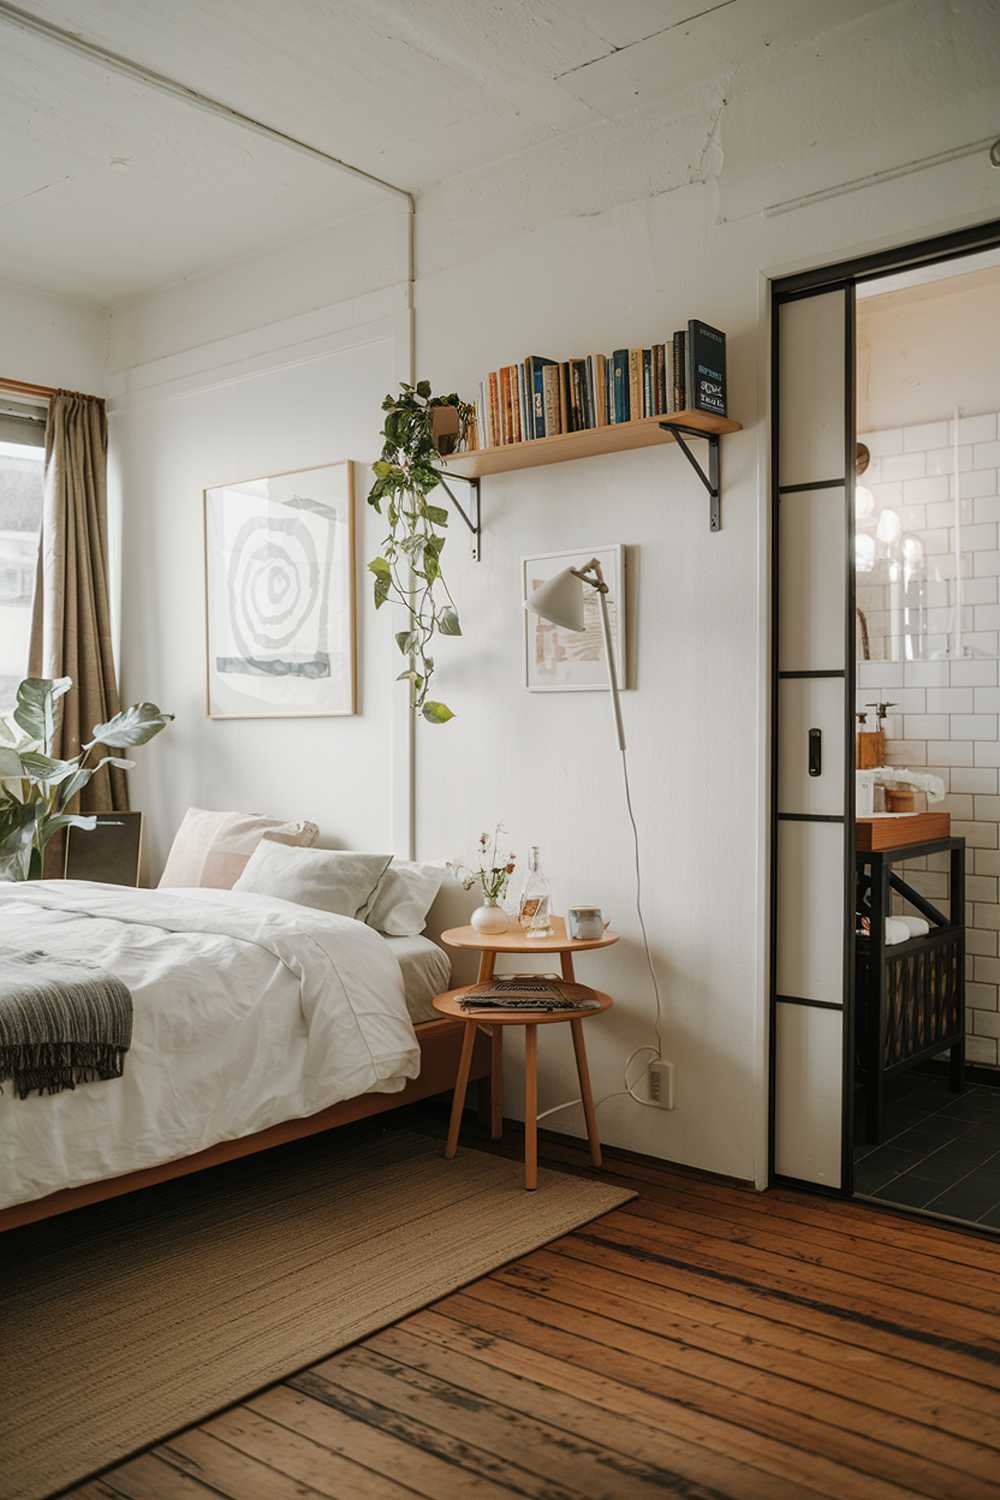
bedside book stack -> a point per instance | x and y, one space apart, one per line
542 397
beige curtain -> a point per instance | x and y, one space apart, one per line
71 620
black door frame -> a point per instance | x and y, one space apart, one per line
839 276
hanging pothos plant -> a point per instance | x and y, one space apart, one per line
408 567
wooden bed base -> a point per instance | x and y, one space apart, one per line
440 1044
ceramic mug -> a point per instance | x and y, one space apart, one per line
586 923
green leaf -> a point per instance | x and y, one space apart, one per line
133 726
413 677
46 771
407 641
381 468
423 388
48 829
11 768
379 567
447 621
381 590
437 514
431 569
436 713
35 711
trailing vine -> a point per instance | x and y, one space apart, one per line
408 567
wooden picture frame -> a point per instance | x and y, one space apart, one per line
280 595
563 661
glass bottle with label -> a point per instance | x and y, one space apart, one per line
535 906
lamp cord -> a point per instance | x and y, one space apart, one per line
657 1051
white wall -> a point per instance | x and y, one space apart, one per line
561 251
51 341
286 394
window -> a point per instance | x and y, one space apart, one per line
20 521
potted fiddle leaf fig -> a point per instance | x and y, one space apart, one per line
37 789
418 429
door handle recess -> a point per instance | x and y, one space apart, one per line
815 752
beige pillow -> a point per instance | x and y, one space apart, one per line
334 880
212 848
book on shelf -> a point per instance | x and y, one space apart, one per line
705 370
541 397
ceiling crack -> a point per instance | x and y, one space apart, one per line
697 16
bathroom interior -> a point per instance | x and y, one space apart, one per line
927 748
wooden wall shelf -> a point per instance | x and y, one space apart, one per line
564 446
669 427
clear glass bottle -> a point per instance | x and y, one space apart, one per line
535 906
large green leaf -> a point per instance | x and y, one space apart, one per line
45 771
35 710
133 726
447 621
437 713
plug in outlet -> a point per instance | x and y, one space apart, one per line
660 1084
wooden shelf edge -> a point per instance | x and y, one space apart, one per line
595 441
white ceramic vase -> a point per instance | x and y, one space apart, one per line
490 918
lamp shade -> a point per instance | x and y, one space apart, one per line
559 600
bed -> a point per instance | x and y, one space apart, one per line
256 1021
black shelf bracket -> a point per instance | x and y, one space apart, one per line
709 480
475 521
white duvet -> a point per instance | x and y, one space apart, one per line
248 1011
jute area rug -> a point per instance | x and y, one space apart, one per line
128 1321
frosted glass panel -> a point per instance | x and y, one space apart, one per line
808 1093
811 911
811 425
812 541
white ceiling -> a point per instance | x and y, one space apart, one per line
109 189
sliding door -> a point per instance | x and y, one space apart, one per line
812 951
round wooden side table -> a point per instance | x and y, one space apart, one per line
489 947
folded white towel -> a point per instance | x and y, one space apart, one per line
916 926
896 931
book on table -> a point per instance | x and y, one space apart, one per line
528 992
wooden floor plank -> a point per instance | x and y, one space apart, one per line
799 1311
971 1288
704 1340
241 1453
926 1314
432 1464
886 1384
713 1382
866 1221
579 1401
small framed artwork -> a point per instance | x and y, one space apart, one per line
110 852
568 661
279 595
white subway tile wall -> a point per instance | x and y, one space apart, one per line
943 484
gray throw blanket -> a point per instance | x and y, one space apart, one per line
61 1023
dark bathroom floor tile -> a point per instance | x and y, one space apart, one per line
991 1219
980 1105
910 1191
969 1198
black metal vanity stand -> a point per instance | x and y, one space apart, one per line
909 997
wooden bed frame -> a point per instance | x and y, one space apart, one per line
440 1044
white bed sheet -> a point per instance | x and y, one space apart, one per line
426 971
247 1011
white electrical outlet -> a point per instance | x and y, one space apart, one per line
660 1084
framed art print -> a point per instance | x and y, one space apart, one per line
569 661
279 595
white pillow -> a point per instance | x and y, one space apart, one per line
212 848
334 880
406 895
